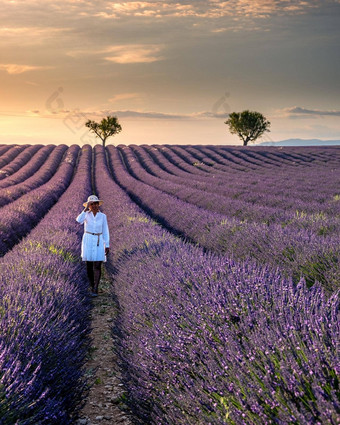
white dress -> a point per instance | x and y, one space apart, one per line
96 236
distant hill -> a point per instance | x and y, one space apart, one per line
302 142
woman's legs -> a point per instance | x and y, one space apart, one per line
97 268
94 272
90 273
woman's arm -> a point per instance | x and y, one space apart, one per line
81 217
106 234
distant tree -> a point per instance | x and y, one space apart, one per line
248 125
107 127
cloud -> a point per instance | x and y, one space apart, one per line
34 113
32 83
88 114
125 96
297 111
134 53
123 53
206 9
158 115
13 68
30 36
34 31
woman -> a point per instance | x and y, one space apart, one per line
96 240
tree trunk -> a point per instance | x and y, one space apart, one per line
245 141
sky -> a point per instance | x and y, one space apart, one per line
171 71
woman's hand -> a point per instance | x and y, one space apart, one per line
107 250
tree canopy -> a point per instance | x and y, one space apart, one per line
248 125
107 127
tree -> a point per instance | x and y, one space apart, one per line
248 125
107 127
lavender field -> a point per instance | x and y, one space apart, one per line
225 268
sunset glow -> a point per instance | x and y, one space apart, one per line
171 71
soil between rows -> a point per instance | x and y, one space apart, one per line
104 404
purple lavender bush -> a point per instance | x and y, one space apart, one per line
19 161
298 251
47 167
212 341
4 148
27 170
209 340
223 332
248 192
44 316
20 216
212 200
11 153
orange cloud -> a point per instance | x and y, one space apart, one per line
125 96
30 35
13 68
134 53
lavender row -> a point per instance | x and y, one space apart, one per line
19 161
199 197
288 185
301 214
291 155
180 157
235 187
179 162
289 172
269 188
283 180
29 169
276 156
20 216
238 163
298 251
47 169
44 316
214 201
282 188
294 185
250 163
251 156
11 153
286 175
207 340
4 148
243 157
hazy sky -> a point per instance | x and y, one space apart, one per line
170 70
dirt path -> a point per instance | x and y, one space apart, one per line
104 405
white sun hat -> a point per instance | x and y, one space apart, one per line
92 198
